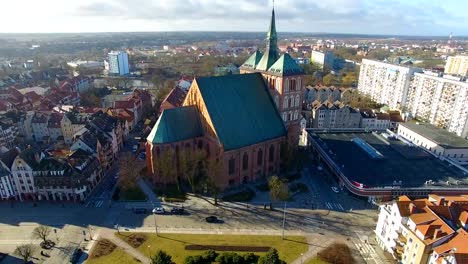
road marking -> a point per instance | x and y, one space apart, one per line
341 207
329 206
99 204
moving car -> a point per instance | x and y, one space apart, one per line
178 210
212 219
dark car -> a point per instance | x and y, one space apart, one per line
178 211
75 257
140 210
212 219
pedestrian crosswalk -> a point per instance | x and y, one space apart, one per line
367 252
334 206
96 204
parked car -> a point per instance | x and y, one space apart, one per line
159 210
336 190
135 148
142 156
212 219
178 210
75 257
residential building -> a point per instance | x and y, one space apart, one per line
326 59
7 185
174 99
457 65
230 68
372 120
71 123
423 230
386 83
438 141
118 63
322 94
132 104
334 115
441 101
8 134
22 170
40 128
54 126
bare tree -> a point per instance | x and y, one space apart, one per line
25 252
191 164
129 171
214 169
41 232
166 166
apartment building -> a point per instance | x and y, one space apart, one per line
440 100
322 94
71 123
386 83
424 230
374 121
334 115
457 65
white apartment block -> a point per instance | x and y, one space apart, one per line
441 101
457 65
390 225
385 83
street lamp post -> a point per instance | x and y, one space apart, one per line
149 251
155 223
302 258
90 235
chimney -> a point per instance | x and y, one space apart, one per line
412 208
437 233
441 201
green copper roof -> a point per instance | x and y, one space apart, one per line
176 124
271 52
284 66
241 109
253 60
272 31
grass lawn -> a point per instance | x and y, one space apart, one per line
133 194
316 260
117 256
174 244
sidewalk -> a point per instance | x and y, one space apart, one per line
152 198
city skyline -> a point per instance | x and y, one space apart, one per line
421 18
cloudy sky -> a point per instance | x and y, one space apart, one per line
405 17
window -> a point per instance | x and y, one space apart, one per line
296 115
271 154
291 102
285 117
232 166
286 86
276 101
285 102
260 157
292 84
297 101
245 161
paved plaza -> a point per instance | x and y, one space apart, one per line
321 215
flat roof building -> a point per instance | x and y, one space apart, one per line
436 140
400 169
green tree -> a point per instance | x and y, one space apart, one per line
41 232
271 257
161 257
25 252
278 190
331 80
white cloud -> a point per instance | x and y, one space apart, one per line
346 16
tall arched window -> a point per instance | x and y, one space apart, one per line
285 117
276 101
285 102
292 84
296 104
296 115
232 166
259 157
245 161
291 101
271 154
286 85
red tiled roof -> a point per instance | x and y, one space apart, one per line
176 97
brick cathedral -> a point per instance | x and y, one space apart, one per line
241 120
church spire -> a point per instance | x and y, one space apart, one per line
271 52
